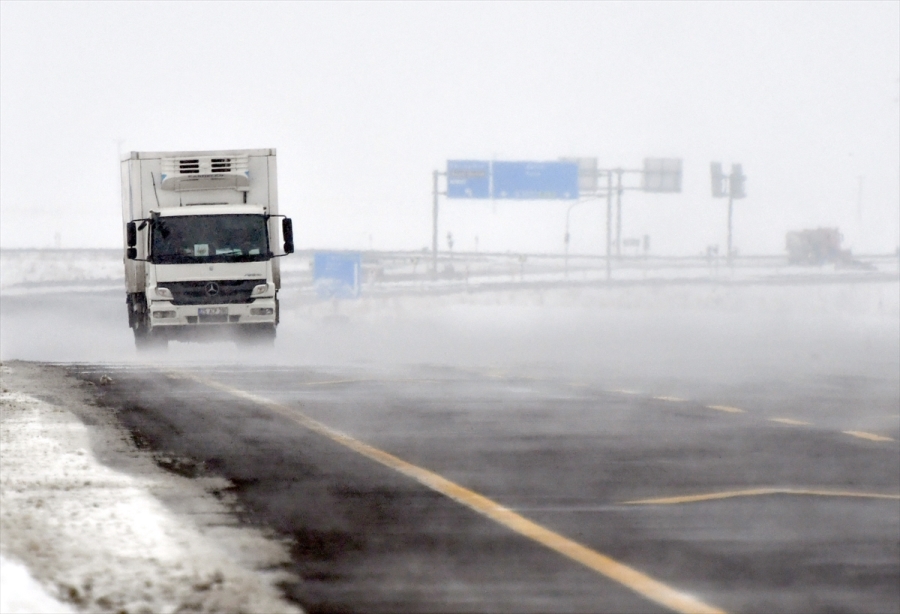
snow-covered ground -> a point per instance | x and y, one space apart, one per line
34 271
22 594
35 266
78 534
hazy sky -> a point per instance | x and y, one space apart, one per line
364 100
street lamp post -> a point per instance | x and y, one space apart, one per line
434 222
619 188
608 226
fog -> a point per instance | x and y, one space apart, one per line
658 335
364 101
565 387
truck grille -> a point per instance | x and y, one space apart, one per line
203 292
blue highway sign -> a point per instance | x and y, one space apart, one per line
468 179
336 275
535 180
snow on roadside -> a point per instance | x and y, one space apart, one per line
37 266
21 594
96 537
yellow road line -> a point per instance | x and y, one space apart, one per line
727 408
869 436
789 421
629 577
672 399
756 492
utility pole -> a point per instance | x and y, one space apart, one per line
608 225
618 213
434 223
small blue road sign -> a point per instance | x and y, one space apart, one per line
535 180
336 275
468 179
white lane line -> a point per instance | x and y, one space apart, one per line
869 436
726 408
790 421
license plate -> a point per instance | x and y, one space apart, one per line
212 311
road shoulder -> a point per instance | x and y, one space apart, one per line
101 527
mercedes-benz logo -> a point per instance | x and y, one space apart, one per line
212 288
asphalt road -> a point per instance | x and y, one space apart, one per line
771 495
496 444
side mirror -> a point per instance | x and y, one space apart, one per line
131 234
131 253
287 229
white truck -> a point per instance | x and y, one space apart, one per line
202 244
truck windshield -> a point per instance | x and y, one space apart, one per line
209 238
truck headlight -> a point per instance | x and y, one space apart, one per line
162 292
163 314
261 311
260 289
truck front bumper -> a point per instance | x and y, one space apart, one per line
165 315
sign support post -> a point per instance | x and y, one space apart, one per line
735 182
730 208
608 225
434 223
619 213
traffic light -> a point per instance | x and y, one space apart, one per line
736 182
718 180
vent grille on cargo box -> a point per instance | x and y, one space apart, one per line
189 167
221 165
205 173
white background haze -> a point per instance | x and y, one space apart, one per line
364 100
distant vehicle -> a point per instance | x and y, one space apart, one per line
201 245
815 246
